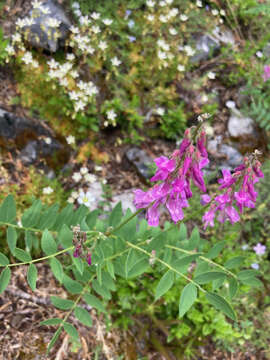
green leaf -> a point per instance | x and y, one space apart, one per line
54 339
209 276
234 262
79 264
4 279
32 276
8 210
110 268
233 287
62 304
72 286
94 301
31 216
108 281
57 269
246 274
116 215
101 290
3 260
54 321
83 316
252 281
136 264
91 218
65 237
71 330
48 244
183 232
187 299
221 304
216 249
194 239
22 255
11 239
164 284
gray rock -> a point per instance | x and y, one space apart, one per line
40 34
240 125
206 47
29 153
266 50
224 36
242 97
141 161
225 155
126 198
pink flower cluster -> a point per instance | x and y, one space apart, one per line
266 73
243 180
175 175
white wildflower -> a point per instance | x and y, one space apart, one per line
173 12
211 75
84 20
80 105
162 55
27 58
189 51
96 29
53 64
150 3
29 21
74 74
183 17
169 2
98 168
199 3
74 194
48 140
172 31
214 12
86 198
70 200
151 17
84 170
160 111
259 54
162 3
111 114
70 139
73 95
75 5
36 4
181 68
74 29
76 176
230 104
90 178
45 10
10 50
103 45
222 12
95 15
52 22
115 61
107 22
16 37
78 12
20 23
163 18
64 82
70 57
47 190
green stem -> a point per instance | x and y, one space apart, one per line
167 265
123 223
202 258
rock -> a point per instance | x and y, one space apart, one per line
126 198
266 50
225 155
33 140
141 161
240 125
96 190
41 34
223 35
206 47
242 97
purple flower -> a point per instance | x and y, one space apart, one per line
132 38
208 218
77 251
255 266
165 167
89 259
266 73
205 199
175 208
227 180
259 249
153 214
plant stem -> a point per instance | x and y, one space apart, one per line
123 223
167 265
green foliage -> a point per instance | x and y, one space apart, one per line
3 44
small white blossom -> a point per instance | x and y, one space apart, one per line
86 198
107 22
16 37
70 139
19 223
150 17
111 114
84 170
10 50
73 95
104 181
64 82
189 51
150 3
45 10
48 140
163 18
183 17
84 20
80 105
181 68
54 23
173 12
47 190
259 54
36 4
115 61
199 3
76 176
98 168
75 5
91 178
29 21
160 111
162 3
230 104
162 55
20 23
215 12
27 58
204 98
74 74
95 15
78 12
70 57
74 29
172 31
53 64
103 45
74 194
96 29
222 12
70 200
211 75
169 2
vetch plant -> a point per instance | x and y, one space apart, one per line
103 248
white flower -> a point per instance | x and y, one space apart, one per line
162 55
161 43
189 51
70 200
96 29
172 31
27 58
52 22
86 198
107 22
95 15
80 105
181 68
76 5
91 89
29 21
150 3
104 181
222 12
163 18
70 139
76 176
103 45
204 98
230 104
53 64
199 3
84 170
16 37
64 82
183 17
151 17
160 111
169 2
215 12
259 54
115 61
173 12
78 12
73 95
20 23
70 57
211 75
36 4
48 140
45 10
98 168
74 74
106 123
91 178
84 20
47 190
162 3
74 29
10 50
90 50
111 114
